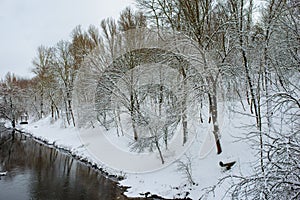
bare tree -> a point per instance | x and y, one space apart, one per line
109 28
194 19
14 98
42 69
65 70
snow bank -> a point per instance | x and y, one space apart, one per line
143 172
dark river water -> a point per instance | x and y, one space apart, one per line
35 171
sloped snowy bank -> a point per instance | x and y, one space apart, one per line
191 174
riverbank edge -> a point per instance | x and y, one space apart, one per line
84 160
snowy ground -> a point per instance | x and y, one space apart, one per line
144 172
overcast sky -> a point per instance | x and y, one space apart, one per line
26 24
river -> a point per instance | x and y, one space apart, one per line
35 171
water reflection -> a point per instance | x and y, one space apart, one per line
39 172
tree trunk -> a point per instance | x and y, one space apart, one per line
255 100
52 110
159 151
71 111
67 112
70 114
133 116
184 106
13 116
213 109
42 104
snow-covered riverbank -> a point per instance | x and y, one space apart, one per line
143 172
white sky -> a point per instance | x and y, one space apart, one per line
26 24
